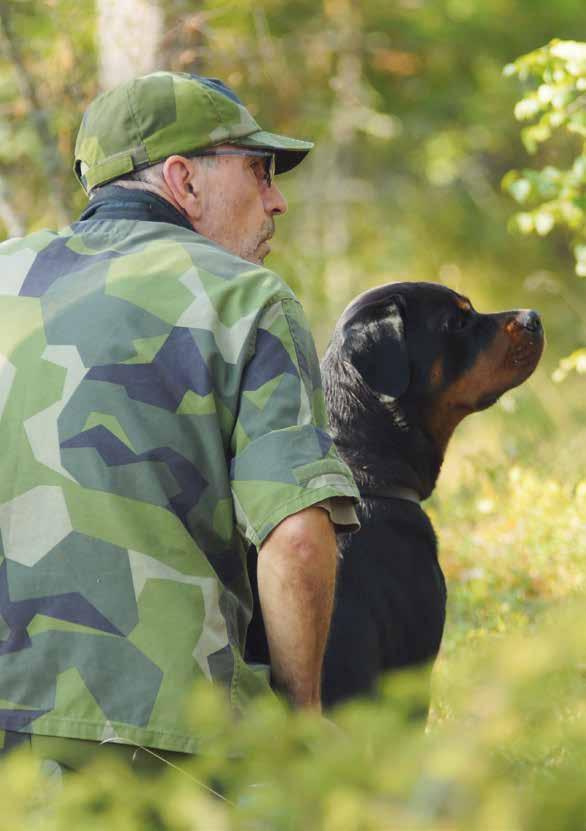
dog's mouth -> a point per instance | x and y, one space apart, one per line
526 355
520 362
523 357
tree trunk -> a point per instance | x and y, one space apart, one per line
129 37
8 216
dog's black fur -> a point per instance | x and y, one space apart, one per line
406 363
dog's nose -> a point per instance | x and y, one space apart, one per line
531 321
524 320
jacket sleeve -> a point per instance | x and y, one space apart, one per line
283 458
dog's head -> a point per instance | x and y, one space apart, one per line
425 350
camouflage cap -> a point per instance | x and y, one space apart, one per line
143 121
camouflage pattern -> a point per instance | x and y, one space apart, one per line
59 756
149 118
160 411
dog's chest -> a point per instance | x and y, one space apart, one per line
390 576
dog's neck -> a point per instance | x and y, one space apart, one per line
387 447
406 459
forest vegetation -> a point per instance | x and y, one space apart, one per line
450 146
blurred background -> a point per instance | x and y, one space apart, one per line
414 129
414 125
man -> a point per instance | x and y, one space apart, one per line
161 412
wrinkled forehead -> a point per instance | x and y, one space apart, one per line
418 298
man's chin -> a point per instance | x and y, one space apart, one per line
258 255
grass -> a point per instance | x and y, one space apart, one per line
512 530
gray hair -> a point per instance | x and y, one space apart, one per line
148 177
152 175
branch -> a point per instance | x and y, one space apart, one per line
13 223
52 162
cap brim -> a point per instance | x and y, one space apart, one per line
289 152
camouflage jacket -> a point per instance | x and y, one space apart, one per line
160 411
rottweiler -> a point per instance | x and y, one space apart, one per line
407 362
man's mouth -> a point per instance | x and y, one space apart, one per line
264 248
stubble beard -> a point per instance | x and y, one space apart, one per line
252 251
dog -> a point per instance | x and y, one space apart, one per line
406 363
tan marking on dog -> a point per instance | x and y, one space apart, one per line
492 373
464 304
456 401
437 373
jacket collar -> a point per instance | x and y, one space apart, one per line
113 202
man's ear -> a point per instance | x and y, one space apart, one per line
373 341
182 179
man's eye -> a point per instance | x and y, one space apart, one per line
258 169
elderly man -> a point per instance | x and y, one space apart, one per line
161 416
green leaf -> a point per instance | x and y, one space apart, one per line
520 190
580 254
544 222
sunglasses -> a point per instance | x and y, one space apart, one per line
266 156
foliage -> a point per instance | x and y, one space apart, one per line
508 754
558 101
553 196
513 543
48 69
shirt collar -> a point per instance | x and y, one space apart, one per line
113 202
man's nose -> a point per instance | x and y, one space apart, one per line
275 202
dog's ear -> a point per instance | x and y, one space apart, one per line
373 341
